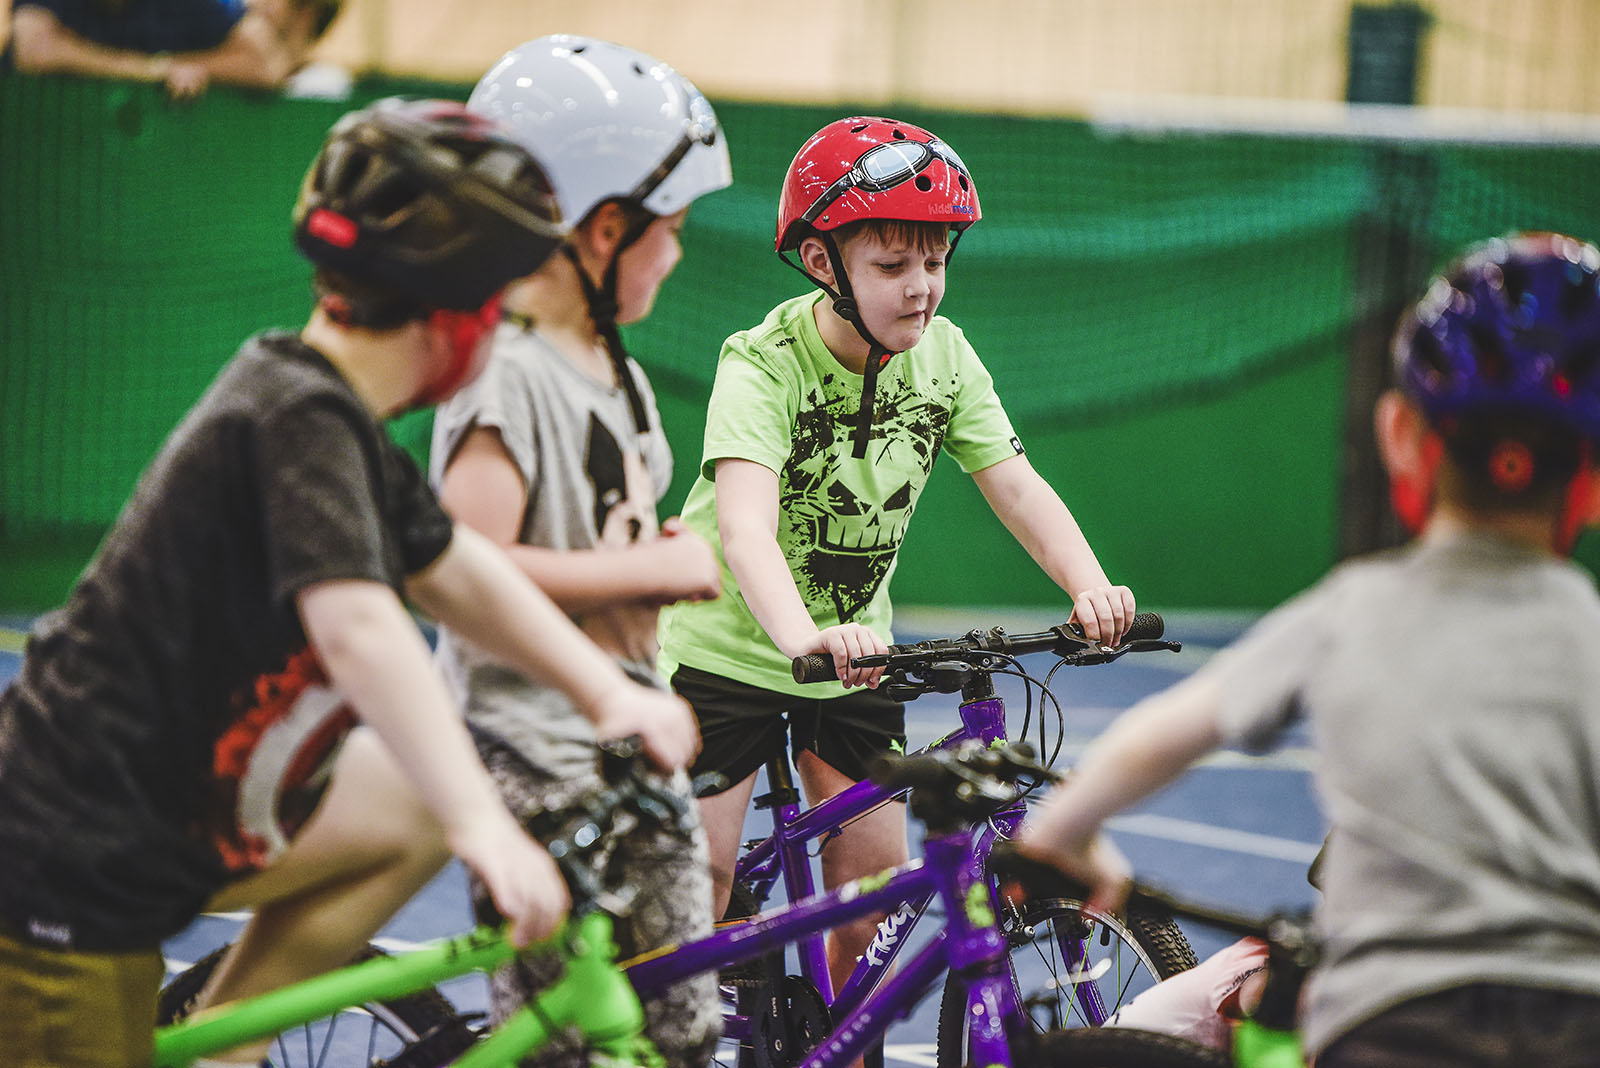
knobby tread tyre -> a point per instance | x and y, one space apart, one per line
1161 937
1153 934
1124 1047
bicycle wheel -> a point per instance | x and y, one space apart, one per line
1071 968
421 1030
1124 1047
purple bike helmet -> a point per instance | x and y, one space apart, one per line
1512 327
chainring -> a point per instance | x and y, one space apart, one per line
792 1020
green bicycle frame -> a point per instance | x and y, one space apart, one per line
1257 1046
592 995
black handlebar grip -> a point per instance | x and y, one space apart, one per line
814 667
1146 626
893 769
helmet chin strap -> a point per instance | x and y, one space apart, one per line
602 301
464 333
844 305
878 354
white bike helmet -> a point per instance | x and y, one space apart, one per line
609 123
612 122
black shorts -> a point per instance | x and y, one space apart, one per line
1490 1025
743 726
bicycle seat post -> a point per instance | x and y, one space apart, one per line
780 788
782 800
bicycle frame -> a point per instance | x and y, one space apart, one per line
784 854
592 995
970 943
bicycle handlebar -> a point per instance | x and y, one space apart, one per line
987 649
951 788
588 825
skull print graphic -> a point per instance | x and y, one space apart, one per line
846 517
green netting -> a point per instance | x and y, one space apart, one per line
139 243
1093 281
1115 282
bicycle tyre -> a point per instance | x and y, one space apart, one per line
1125 1047
1149 947
421 1030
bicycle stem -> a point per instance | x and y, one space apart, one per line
592 994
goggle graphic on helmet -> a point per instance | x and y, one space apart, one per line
882 167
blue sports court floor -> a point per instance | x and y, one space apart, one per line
1236 831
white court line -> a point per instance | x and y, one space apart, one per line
921 1054
388 945
1289 758
1203 834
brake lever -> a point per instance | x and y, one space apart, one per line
1102 654
1023 762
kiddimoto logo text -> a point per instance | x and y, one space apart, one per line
959 209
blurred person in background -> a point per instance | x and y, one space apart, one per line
184 45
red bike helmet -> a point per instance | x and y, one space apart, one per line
865 168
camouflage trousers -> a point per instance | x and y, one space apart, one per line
672 904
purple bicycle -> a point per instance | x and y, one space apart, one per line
1068 967
1013 969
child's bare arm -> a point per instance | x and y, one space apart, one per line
1145 748
747 522
42 45
483 488
377 660
475 590
1042 524
257 53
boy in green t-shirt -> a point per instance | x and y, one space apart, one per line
817 446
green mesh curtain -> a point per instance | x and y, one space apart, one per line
1168 318
1107 272
139 244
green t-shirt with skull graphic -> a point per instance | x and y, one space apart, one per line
782 400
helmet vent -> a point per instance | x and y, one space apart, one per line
899 134
965 185
1514 284
1493 366
1579 294
924 183
1430 358
858 127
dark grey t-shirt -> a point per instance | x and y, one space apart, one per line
170 727
1453 693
